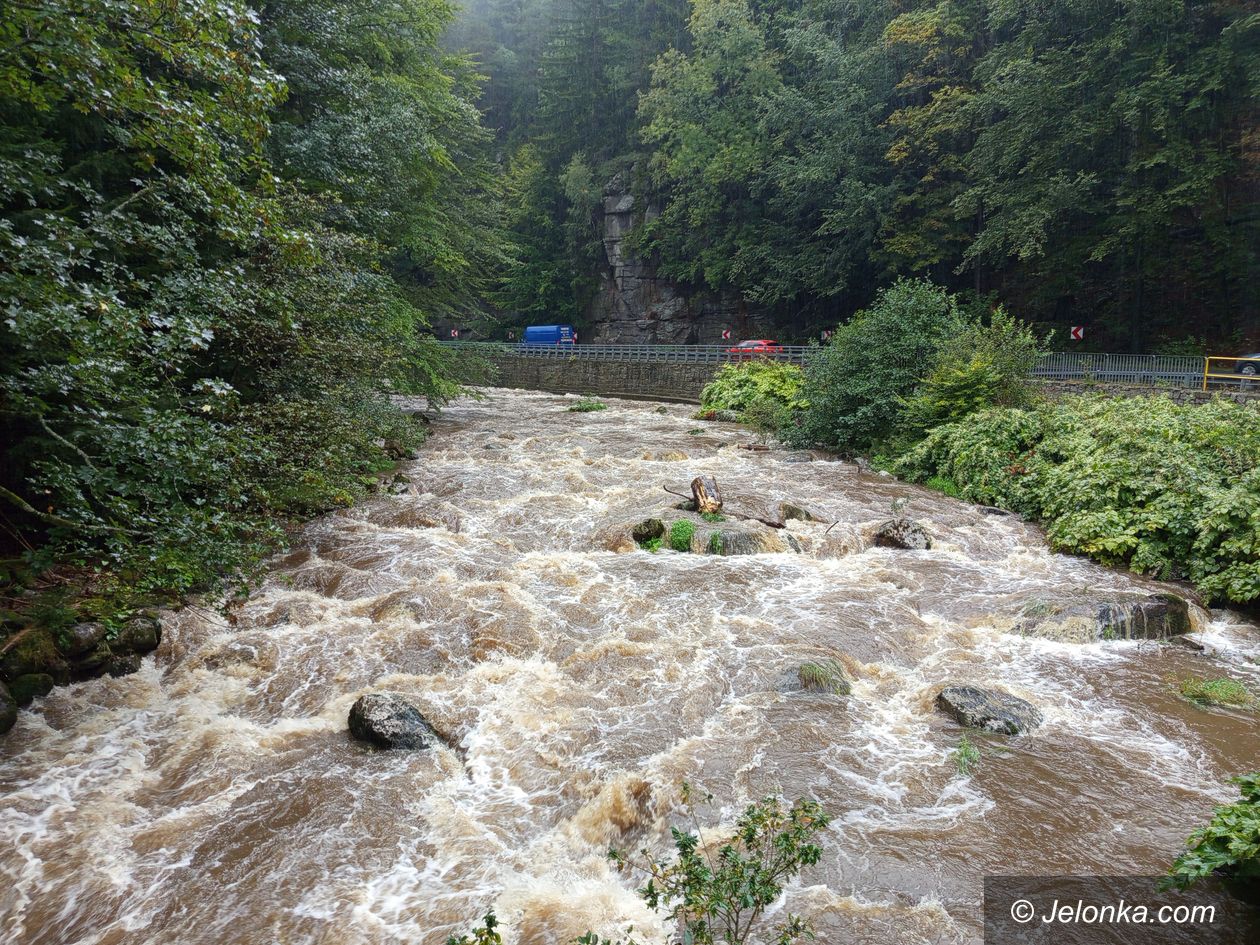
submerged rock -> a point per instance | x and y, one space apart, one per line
123 664
647 529
1114 617
389 721
988 709
399 485
789 511
739 538
902 533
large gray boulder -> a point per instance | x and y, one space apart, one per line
1112 617
81 639
902 533
388 720
140 634
988 709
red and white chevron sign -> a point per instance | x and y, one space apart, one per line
454 332
1078 332
726 334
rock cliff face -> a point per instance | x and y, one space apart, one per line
634 305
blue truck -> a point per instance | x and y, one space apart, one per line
549 335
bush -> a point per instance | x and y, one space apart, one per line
744 386
855 384
1230 843
588 405
981 366
1166 489
721 896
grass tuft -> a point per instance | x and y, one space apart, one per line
824 676
1219 691
966 756
587 405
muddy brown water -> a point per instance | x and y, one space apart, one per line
215 797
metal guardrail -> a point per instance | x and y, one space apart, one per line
1147 370
1151 370
711 354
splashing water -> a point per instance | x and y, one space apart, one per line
215 797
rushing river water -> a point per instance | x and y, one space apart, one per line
216 797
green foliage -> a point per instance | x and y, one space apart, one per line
855 383
483 934
588 405
942 484
1166 489
215 279
713 516
739 386
824 676
720 896
1091 162
966 756
1219 691
982 365
680 534
652 544
1230 843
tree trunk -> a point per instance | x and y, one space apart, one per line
706 494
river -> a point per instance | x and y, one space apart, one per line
215 797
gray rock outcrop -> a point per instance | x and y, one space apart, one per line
388 720
902 533
988 709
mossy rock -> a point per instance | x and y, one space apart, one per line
647 529
8 709
34 652
26 689
140 634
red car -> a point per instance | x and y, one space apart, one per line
755 348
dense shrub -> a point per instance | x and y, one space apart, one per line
1166 489
982 365
741 386
1229 845
855 384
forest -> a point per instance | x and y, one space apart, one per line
231 229
1084 162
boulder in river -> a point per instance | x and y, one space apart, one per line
388 720
81 639
902 533
140 634
743 538
26 689
789 511
988 709
8 709
1110 617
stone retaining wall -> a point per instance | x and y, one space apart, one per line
682 381
640 380
1181 395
